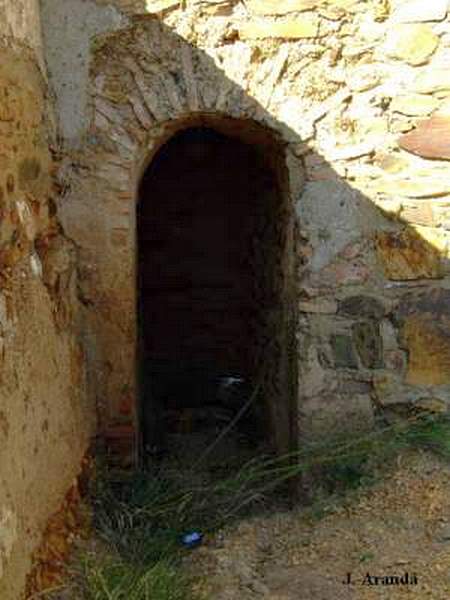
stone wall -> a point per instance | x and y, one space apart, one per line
357 95
351 98
44 420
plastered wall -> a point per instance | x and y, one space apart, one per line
45 422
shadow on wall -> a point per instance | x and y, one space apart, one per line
364 301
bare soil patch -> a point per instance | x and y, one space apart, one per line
398 526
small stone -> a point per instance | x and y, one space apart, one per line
343 351
420 213
412 43
389 334
414 105
352 250
219 10
401 125
431 405
422 187
361 306
382 10
368 343
395 360
348 273
405 255
444 533
444 109
351 151
357 49
363 78
302 27
435 238
419 11
346 4
389 389
332 13
432 81
391 163
328 307
280 7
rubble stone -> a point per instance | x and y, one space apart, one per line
344 352
414 105
281 7
417 11
412 43
406 256
299 28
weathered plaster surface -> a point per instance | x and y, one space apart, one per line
68 29
20 22
45 423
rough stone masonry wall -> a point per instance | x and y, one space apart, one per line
44 423
356 91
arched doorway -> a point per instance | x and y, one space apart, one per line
215 289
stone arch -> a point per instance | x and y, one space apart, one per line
150 84
276 322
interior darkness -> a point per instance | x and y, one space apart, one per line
207 208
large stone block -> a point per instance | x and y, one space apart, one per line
428 346
406 256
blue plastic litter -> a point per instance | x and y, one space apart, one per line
193 539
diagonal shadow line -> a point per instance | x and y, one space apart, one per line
347 246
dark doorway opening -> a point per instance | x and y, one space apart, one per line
214 304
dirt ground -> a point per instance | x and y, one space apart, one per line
399 526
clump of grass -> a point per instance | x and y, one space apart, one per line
114 578
140 519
